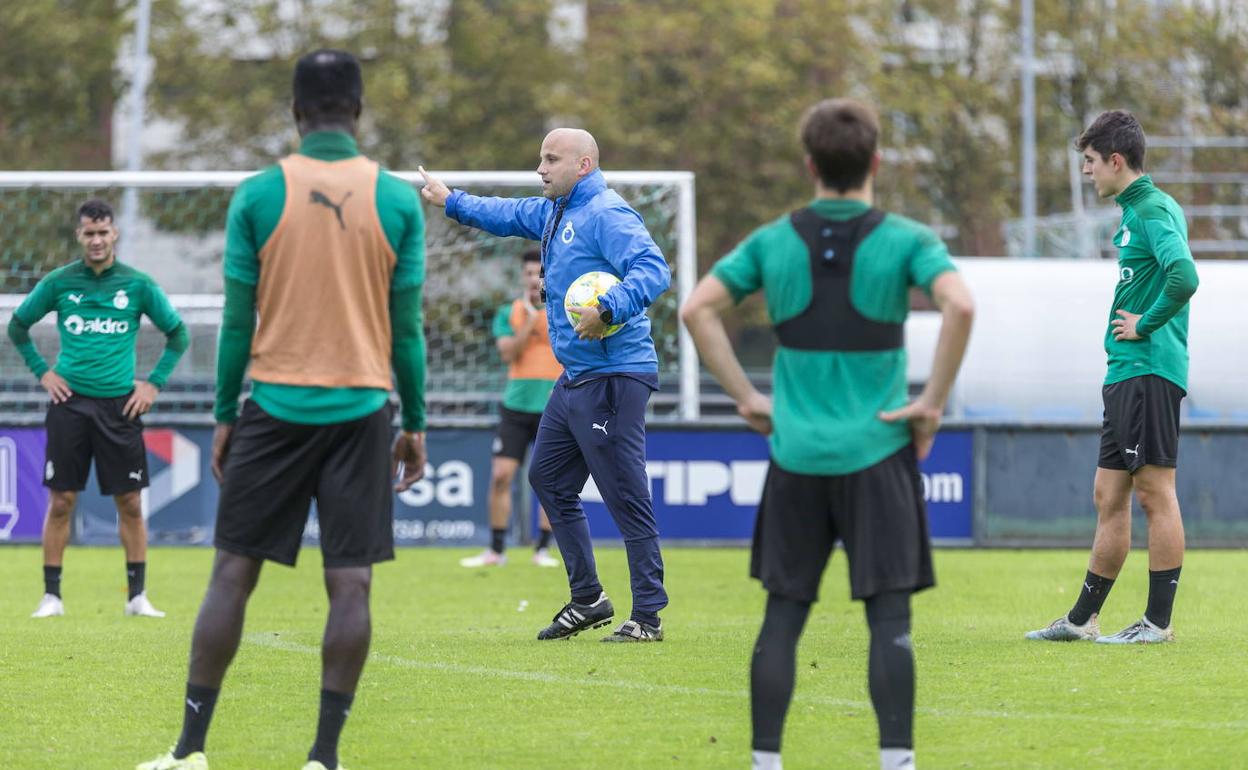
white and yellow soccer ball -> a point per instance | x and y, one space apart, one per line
584 292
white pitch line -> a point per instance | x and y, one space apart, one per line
270 641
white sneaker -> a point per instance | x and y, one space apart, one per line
196 761
141 607
487 558
49 606
1062 630
542 558
1141 632
320 766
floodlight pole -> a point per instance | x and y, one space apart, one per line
1029 126
134 134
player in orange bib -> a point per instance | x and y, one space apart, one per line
524 343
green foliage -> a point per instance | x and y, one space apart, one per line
58 89
713 87
457 680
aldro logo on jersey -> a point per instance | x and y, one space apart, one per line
76 325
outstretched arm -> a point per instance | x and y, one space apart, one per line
523 217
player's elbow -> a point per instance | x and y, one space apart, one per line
694 314
959 308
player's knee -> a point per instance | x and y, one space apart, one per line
61 504
537 478
348 584
1111 504
500 480
888 609
130 505
1154 500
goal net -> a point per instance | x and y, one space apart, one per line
176 233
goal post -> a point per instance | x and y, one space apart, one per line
179 239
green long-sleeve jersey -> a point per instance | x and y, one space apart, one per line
98 318
1156 279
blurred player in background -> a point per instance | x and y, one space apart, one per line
844 444
329 251
1146 341
523 340
97 404
595 421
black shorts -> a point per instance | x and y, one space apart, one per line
1141 424
516 430
275 468
877 513
85 427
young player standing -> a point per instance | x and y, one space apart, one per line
1146 340
844 444
523 340
97 404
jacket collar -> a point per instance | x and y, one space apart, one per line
589 186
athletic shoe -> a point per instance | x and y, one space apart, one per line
1141 632
542 558
49 606
633 631
314 765
195 761
575 618
1062 630
486 558
139 606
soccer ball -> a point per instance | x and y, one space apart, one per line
584 292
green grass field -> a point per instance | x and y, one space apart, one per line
456 679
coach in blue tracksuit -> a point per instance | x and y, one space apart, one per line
594 423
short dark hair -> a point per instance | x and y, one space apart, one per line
328 86
840 136
95 209
1115 131
531 254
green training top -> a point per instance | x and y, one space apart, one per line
98 318
1156 278
522 394
825 403
255 211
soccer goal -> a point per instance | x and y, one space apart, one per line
178 237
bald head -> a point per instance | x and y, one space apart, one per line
568 154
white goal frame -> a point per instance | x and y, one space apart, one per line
683 181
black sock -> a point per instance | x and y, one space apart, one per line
1161 588
773 669
543 539
334 710
890 669
196 717
136 576
52 580
498 539
1091 597
587 598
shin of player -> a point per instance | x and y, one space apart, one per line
523 340
1146 344
97 404
845 444
594 422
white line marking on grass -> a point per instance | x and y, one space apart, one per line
272 642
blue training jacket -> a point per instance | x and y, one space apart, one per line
597 231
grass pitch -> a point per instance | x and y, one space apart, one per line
456 679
